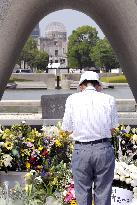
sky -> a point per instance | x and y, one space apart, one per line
71 20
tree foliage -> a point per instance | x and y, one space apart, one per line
27 53
32 56
103 55
80 44
40 60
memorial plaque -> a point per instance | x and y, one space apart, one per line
121 196
53 106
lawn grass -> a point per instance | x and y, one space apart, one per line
12 80
114 79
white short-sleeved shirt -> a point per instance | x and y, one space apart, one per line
90 115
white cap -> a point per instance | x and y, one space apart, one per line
89 75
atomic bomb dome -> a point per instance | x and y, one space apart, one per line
56 30
55 43
55 26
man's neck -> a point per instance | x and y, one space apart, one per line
89 87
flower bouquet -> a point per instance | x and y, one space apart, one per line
125 177
46 153
125 144
46 156
25 149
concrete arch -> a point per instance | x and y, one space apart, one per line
117 19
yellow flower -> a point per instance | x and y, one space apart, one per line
55 181
27 176
128 135
73 202
27 165
58 143
71 147
63 134
29 139
8 145
39 167
22 153
40 148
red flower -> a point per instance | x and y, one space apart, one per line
32 159
45 152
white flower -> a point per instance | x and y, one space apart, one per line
65 193
116 177
127 173
135 195
44 128
134 183
135 189
134 130
128 180
133 175
7 160
1 131
127 129
134 137
32 172
54 131
135 146
122 178
23 122
1 144
39 179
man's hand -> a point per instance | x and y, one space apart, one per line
113 130
68 133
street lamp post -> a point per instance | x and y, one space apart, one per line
58 78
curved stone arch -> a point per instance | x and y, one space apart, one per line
117 19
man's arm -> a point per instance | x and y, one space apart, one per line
67 119
114 116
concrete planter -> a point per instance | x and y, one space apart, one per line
12 178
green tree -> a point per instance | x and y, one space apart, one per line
27 53
32 56
103 55
40 60
79 47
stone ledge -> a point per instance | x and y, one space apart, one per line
31 85
36 119
20 102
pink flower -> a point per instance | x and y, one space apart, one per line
70 195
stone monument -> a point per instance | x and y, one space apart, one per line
117 19
53 106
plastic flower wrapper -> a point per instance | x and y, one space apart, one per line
52 200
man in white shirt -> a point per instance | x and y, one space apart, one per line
91 117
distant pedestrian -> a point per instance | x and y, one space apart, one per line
91 117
